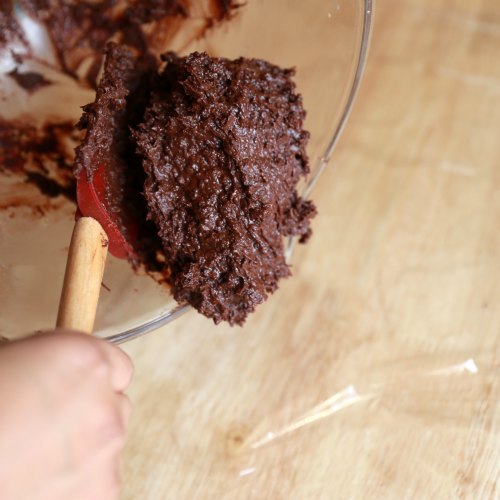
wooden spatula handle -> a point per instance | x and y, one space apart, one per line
83 277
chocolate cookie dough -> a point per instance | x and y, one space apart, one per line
223 148
203 158
120 102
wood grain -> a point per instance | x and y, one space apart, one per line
83 276
397 295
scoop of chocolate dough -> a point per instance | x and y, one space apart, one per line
204 158
223 149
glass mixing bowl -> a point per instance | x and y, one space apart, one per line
325 40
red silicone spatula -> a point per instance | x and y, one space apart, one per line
96 231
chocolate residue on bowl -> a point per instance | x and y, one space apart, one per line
147 11
80 30
30 81
41 156
10 31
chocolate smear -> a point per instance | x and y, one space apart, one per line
42 156
31 81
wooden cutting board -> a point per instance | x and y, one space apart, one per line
375 371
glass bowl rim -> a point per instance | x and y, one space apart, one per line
166 317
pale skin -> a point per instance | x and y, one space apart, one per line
63 417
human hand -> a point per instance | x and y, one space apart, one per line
63 417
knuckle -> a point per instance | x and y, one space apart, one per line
109 426
86 355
